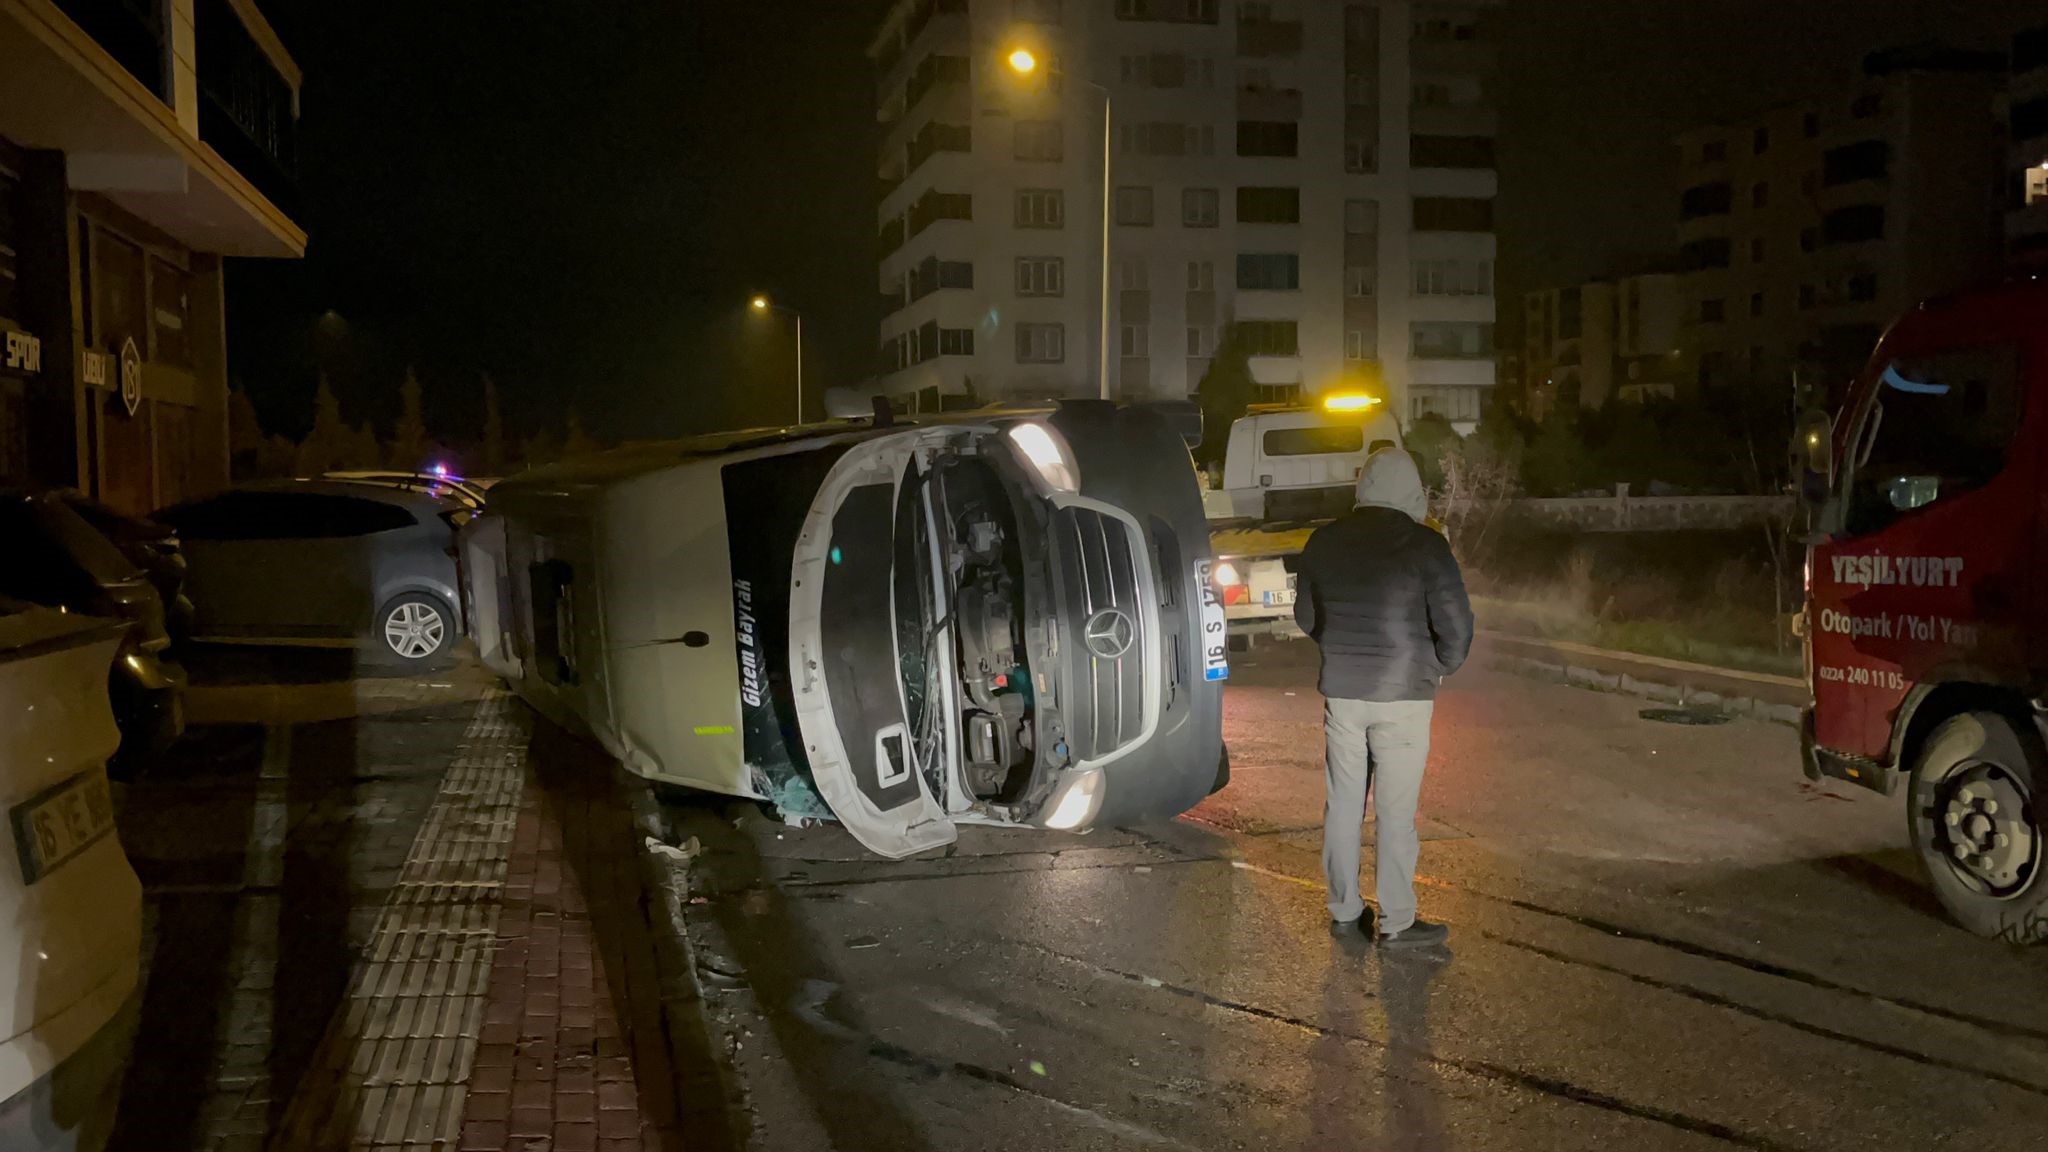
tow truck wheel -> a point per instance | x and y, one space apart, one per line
1972 808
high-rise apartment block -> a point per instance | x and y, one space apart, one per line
1803 231
1313 179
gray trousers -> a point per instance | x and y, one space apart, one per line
1382 747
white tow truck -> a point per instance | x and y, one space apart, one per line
1287 470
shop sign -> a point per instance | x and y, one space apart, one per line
24 354
131 376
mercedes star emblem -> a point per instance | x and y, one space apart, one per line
1109 633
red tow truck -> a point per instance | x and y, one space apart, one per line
1926 614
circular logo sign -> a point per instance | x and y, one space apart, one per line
131 376
1109 633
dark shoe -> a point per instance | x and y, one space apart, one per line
1421 934
1342 929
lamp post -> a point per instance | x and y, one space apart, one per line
763 304
1024 62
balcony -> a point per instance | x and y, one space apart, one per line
936 137
131 31
203 154
1265 38
247 110
1467 57
1269 103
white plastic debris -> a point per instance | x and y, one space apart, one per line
687 851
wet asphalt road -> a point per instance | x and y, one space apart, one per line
1662 938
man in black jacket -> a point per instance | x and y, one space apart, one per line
1380 592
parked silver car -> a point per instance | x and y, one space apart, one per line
295 561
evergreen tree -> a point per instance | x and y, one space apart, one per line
494 430
1224 394
327 444
578 442
409 445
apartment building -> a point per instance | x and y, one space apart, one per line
2026 225
1313 178
141 142
1604 340
1805 230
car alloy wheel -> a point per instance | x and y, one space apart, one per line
414 630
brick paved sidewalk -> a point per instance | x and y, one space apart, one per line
503 996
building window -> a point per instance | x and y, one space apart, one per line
1362 217
1201 342
1709 252
2036 191
1756 251
1041 343
1269 337
1201 276
1164 138
1038 140
1759 195
1864 160
1450 151
1269 205
1713 152
1168 11
1134 206
170 312
1453 214
1135 339
1359 344
1863 287
956 341
1427 94
1450 340
1756 304
10 291
1760 141
1034 11
1268 271
1156 70
1706 200
118 272
1361 24
1133 274
1361 89
1454 277
1202 140
1853 224
1267 138
1041 276
1713 311
1360 280
1041 208
1199 207
1361 157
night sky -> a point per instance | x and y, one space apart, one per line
578 198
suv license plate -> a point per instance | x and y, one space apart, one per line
1215 631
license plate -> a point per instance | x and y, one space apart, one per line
1280 599
1215 631
61 823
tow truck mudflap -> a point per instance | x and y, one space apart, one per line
1819 763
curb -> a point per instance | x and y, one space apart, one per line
1618 673
707 1102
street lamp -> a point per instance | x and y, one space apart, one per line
1024 62
764 305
